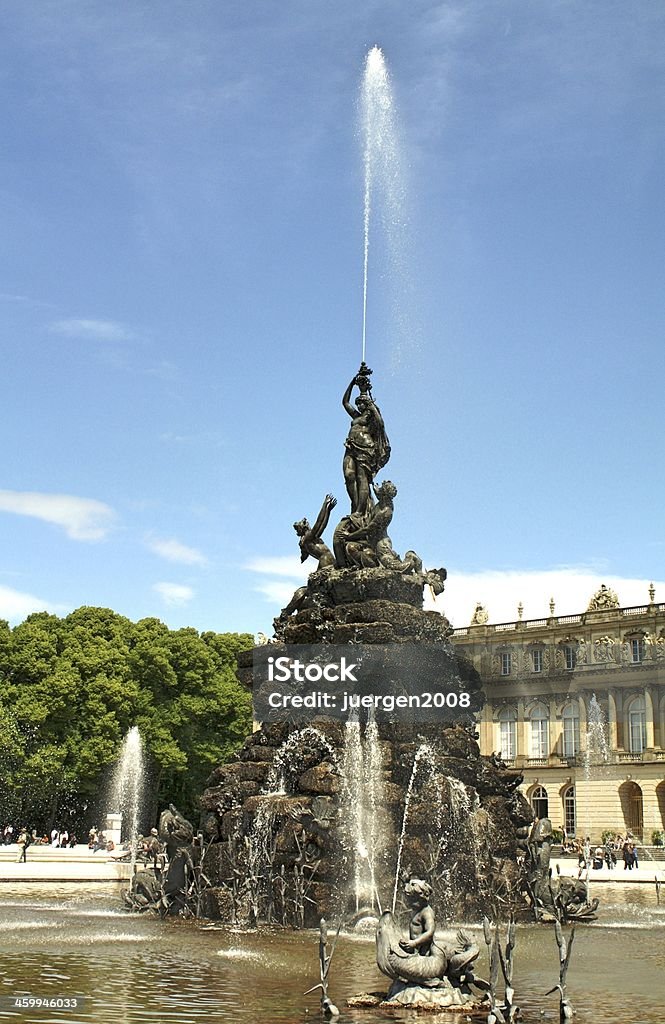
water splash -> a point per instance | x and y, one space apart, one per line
380 158
288 762
597 748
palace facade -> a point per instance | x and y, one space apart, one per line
577 703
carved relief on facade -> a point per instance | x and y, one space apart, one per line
504 661
603 599
570 652
536 659
603 649
658 646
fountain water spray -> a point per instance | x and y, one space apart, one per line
127 787
362 793
423 750
380 156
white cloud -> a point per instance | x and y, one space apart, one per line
280 565
15 605
276 592
174 551
96 330
80 518
291 573
571 587
501 592
174 593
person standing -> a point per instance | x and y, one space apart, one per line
627 857
28 839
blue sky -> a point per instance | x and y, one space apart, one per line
181 291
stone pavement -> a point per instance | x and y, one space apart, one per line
48 864
647 872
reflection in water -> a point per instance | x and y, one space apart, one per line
70 940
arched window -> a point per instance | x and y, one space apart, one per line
540 731
571 729
569 813
632 805
508 733
637 725
539 802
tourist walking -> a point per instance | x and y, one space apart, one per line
9 835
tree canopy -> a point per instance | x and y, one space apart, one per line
70 688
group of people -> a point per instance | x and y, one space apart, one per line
26 837
97 841
62 839
606 855
149 848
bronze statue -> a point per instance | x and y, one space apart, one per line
367 446
421 960
363 540
553 899
310 542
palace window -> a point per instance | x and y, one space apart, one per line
637 725
637 649
570 654
540 731
537 656
508 733
506 663
571 730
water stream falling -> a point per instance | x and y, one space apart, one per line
127 787
380 157
362 780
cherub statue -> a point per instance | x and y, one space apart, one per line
421 960
310 536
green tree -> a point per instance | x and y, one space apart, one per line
71 688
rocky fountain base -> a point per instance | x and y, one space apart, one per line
317 818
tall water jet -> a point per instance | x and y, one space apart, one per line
380 158
127 787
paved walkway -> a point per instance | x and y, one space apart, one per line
49 864
648 871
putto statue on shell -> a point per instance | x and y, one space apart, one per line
424 970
